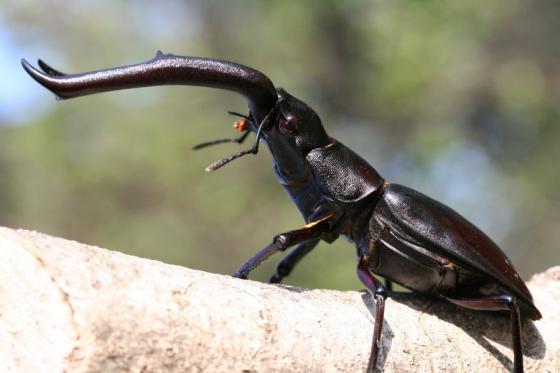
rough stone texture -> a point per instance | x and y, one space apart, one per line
65 306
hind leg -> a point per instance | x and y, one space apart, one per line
500 303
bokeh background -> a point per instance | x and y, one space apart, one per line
458 99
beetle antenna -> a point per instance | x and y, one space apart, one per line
236 114
222 162
238 140
253 150
238 125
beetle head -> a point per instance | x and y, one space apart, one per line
292 129
297 121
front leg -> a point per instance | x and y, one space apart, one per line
283 241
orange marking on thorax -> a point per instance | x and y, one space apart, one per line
309 225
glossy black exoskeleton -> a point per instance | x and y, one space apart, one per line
399 233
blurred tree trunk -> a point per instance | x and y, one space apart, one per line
71 307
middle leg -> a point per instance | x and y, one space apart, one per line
287 264
378 292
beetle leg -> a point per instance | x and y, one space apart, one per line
287 264
378 292
500 303
283 241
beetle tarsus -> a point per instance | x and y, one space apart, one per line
256 260
283 241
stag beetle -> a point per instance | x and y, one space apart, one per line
399 233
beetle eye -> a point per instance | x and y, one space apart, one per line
288 124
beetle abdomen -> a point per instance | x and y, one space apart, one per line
402 263
441 230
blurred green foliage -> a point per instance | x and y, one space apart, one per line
457 99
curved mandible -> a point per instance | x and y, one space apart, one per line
163 69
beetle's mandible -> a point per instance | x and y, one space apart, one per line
399 233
